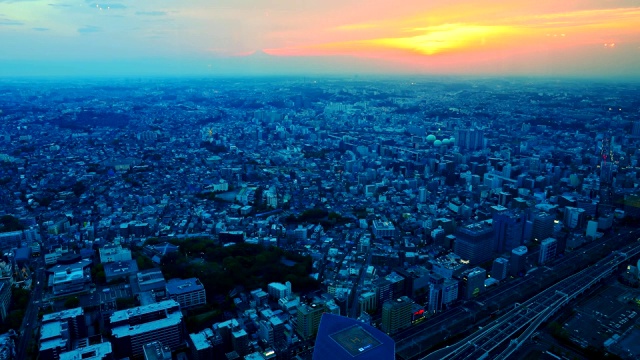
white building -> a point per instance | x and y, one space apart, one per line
114 252
278 290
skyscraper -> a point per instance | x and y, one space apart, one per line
508 228
518 260
542 226
474 242
500 268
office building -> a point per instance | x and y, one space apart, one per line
382 229
341 338
422 195
309 320
101 351
548 248
592 229
449 266
473 282
187 292
542 226
384 291
500 269
71 278
240 341
396 315
517 260
5 299
133 328
574 217
508 229
59 330
474 243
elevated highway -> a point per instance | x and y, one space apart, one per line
526 317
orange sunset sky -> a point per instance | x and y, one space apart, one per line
574 38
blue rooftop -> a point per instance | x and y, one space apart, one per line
340 337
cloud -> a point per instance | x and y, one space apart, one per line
107 6
151 13
60 5
9 22
40 29
88 29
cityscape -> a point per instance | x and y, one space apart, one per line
282 218
319 180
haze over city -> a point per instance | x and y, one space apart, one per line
319 179
257 37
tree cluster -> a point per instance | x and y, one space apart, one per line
221 269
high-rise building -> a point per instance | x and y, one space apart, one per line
240 341
396 315
508 229
473 282
542 226
470 139
592 229
397 285
133 328
518 260
474 242
500 269
606 172
59 330
422 194
548 249
309 320
435 298
573 217
384 291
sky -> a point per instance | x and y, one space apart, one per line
577 38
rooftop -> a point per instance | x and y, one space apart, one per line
91 352
340 337
183 286
140 310
172 319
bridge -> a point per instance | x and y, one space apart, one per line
526 317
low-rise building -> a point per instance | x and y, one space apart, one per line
187 292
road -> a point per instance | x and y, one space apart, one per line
30 321
421 336
533 312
